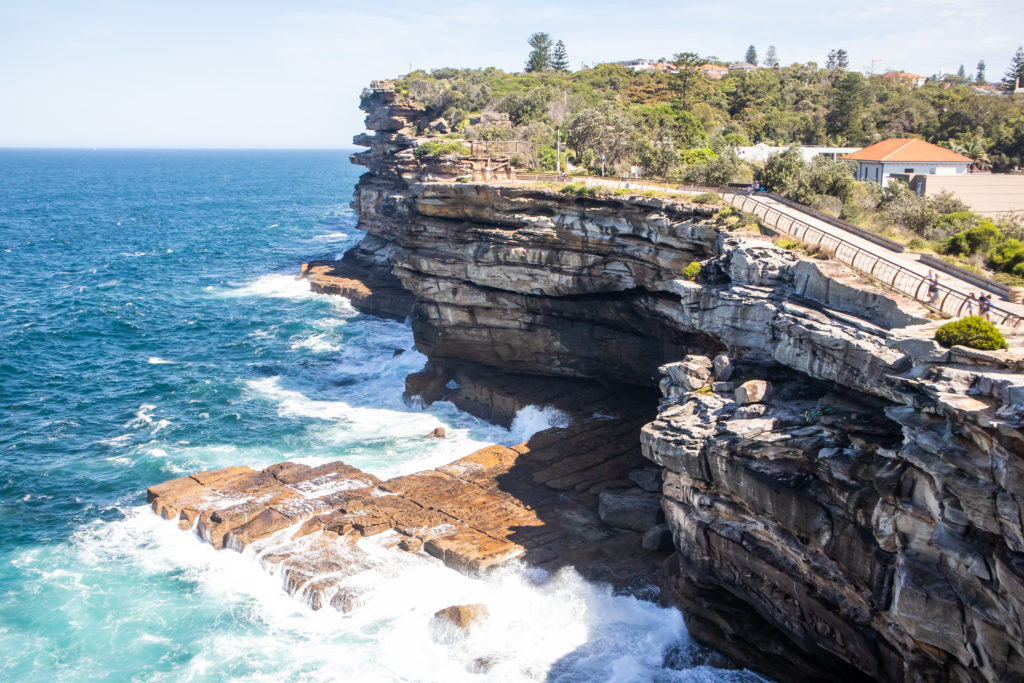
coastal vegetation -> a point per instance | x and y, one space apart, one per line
973 331
678 124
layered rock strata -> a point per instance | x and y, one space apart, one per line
843 496
530 502
865 521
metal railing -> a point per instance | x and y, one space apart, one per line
949 301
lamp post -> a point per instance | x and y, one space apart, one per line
558 152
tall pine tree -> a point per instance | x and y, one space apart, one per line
980 78
559 59
771 58
1015 74
540 56
751 55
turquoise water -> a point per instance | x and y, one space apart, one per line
151 326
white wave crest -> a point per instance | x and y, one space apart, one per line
157 360
532 419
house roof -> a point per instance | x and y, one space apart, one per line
905 149
902 74
711 67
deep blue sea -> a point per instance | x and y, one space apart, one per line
151 326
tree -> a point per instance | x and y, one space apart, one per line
771 58
686 75
559 59
980 78
539 58
961 73
532 106
847 116
837 61
751 55
1015 74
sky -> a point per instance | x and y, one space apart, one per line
261 74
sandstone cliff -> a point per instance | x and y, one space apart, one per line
863 519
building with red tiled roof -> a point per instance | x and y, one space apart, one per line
906 157
916 80
713 71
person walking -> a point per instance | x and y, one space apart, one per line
985 305
971 304
933 288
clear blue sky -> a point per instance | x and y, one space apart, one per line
182 73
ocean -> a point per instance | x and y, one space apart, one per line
151 326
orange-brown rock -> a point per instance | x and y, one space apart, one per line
476 513
463 616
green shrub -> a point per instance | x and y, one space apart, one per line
579 189
981 238
435 149
691 271
707 198
973 331
789 244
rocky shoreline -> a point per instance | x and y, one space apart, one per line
844 498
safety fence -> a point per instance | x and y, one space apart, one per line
948 301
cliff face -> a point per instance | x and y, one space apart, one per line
858 515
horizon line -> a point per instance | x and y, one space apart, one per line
97 148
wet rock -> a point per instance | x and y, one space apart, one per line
636 510
463 616
438 433
647 478
410 544
657 538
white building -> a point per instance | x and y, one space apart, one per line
760 152
906 157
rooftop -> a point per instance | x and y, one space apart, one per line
905 149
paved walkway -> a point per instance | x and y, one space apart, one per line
902 271
954 290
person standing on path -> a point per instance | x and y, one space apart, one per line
933 288
984 305
971 301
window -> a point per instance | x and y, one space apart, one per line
908 170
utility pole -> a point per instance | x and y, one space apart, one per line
602 166
558 153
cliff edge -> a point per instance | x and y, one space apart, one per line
844 497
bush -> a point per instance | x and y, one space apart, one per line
707 198
434 149
579 190
972 331
981 238
691 271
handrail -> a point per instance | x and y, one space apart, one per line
893 275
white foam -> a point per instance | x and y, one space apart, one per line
532 419
333 236
278 286
157 360
540 627
317 343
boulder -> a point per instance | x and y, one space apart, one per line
723 367
657 538
754 391
463 616
691 373
647 478
438 433
636 510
